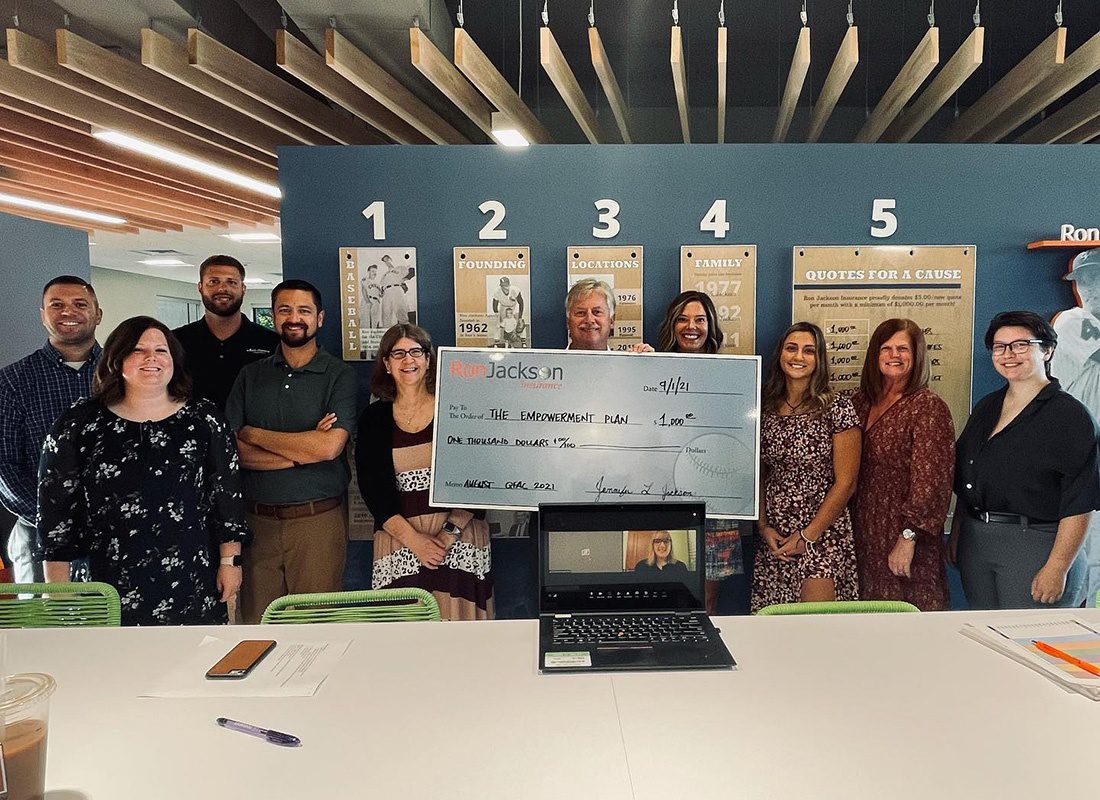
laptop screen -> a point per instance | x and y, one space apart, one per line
628 556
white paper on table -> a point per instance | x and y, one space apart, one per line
291 669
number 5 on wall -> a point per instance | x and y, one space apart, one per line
880 212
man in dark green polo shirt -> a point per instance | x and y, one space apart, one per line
294 413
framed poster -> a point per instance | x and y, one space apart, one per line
492 296
377 291
621 269
726 272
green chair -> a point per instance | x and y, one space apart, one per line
58 605
839 607
377 605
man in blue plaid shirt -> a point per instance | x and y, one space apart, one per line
34 391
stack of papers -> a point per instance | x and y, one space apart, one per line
1016 639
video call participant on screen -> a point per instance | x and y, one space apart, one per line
143 481
1026 478
908 461
294 412
661 558
809 452
590 317
443 551
224 340
691 326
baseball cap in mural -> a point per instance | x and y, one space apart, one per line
1089 258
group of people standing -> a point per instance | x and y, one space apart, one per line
185 467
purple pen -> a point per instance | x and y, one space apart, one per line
275 737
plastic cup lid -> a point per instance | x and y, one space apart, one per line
25 689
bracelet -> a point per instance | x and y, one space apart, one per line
809 542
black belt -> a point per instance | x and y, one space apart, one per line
1009 519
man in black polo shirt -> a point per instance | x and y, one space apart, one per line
224 340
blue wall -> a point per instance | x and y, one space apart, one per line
998 197
32 252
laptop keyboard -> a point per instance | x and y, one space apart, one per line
628 629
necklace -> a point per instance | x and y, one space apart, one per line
415 409
793 408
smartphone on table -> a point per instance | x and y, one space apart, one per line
242 659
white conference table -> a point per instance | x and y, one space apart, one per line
854 706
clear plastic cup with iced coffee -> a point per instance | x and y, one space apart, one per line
25 718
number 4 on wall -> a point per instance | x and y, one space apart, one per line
880 212
715 220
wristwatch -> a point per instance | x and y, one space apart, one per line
451 528
231 561
908 534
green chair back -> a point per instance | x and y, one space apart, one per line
58 605
839 607
376 605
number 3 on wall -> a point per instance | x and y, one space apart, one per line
880 212
491 230
609 210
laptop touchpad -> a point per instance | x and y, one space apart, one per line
623 656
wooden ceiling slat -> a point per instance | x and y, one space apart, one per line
309 67
1063 123
488 80
844 64
131 78
723 54
947 81
45 115
169 58
56 140
40 59
67 101
610 84
796 79
561 75
1083 134
124 202
919 65
1019 80
435 66
679 80
359 69
106 179
38 192
54 219
1078 66
233 69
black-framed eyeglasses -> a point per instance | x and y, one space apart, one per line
399 353
1018 347
662 541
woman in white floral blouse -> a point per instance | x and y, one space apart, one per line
144 482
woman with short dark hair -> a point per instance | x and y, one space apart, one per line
443 551
144 482
1026 477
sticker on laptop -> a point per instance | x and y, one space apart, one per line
581 659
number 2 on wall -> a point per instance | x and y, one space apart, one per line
376 213
880 212
491 230
609 211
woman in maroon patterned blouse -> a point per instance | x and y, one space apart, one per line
901 504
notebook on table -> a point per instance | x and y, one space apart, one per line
621 588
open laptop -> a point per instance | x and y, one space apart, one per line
621 588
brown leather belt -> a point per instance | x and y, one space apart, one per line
296 510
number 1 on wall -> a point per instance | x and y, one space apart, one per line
376 213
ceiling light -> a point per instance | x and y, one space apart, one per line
254 281
187 162
506 132
164 262
53 208
253 238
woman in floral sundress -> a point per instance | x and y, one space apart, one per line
810 446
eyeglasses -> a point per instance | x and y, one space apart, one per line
1018 347
399 354
662 541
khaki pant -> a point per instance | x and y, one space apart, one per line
292 556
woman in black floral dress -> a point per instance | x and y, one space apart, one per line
144 483
809 452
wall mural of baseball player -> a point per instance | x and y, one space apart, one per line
1076 363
